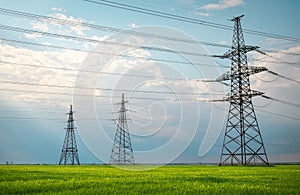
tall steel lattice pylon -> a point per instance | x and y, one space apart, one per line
69 152
243 142
122 152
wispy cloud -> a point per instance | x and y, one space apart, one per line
37 26
223 4
58 9
78 29
186 1
32 36
133 25
18 55
276 86
275 62
52 26
202 14
40 26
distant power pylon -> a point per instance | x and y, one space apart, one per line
243 142
122 152
69 152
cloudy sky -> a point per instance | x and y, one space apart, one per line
57 53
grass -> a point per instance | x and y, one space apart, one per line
179 179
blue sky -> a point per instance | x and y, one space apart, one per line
32 123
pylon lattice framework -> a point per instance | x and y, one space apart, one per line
122 152
69 152
243 142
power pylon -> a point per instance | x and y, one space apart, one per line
69 152
122 152
243 142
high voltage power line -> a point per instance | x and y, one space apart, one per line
102 28
146 58
105 28
105 89
62 120
85 39
265 111
115 97
100 72
277 114
112 54
281 52
129 75
113 29
295 64
99 96
126 90
128 45
4 27
186 19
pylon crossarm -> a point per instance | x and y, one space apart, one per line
233 75
232 53
257 69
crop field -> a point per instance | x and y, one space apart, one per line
172 179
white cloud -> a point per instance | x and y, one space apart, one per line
40 26
78 29
275 86
53 26
47 43
32 36
27 74
99 38
139 53
123 64
37 26
58 9
223 4
277 44
202 14
223 42
89 45
186 1
278 62
133 25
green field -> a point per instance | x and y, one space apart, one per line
179 179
